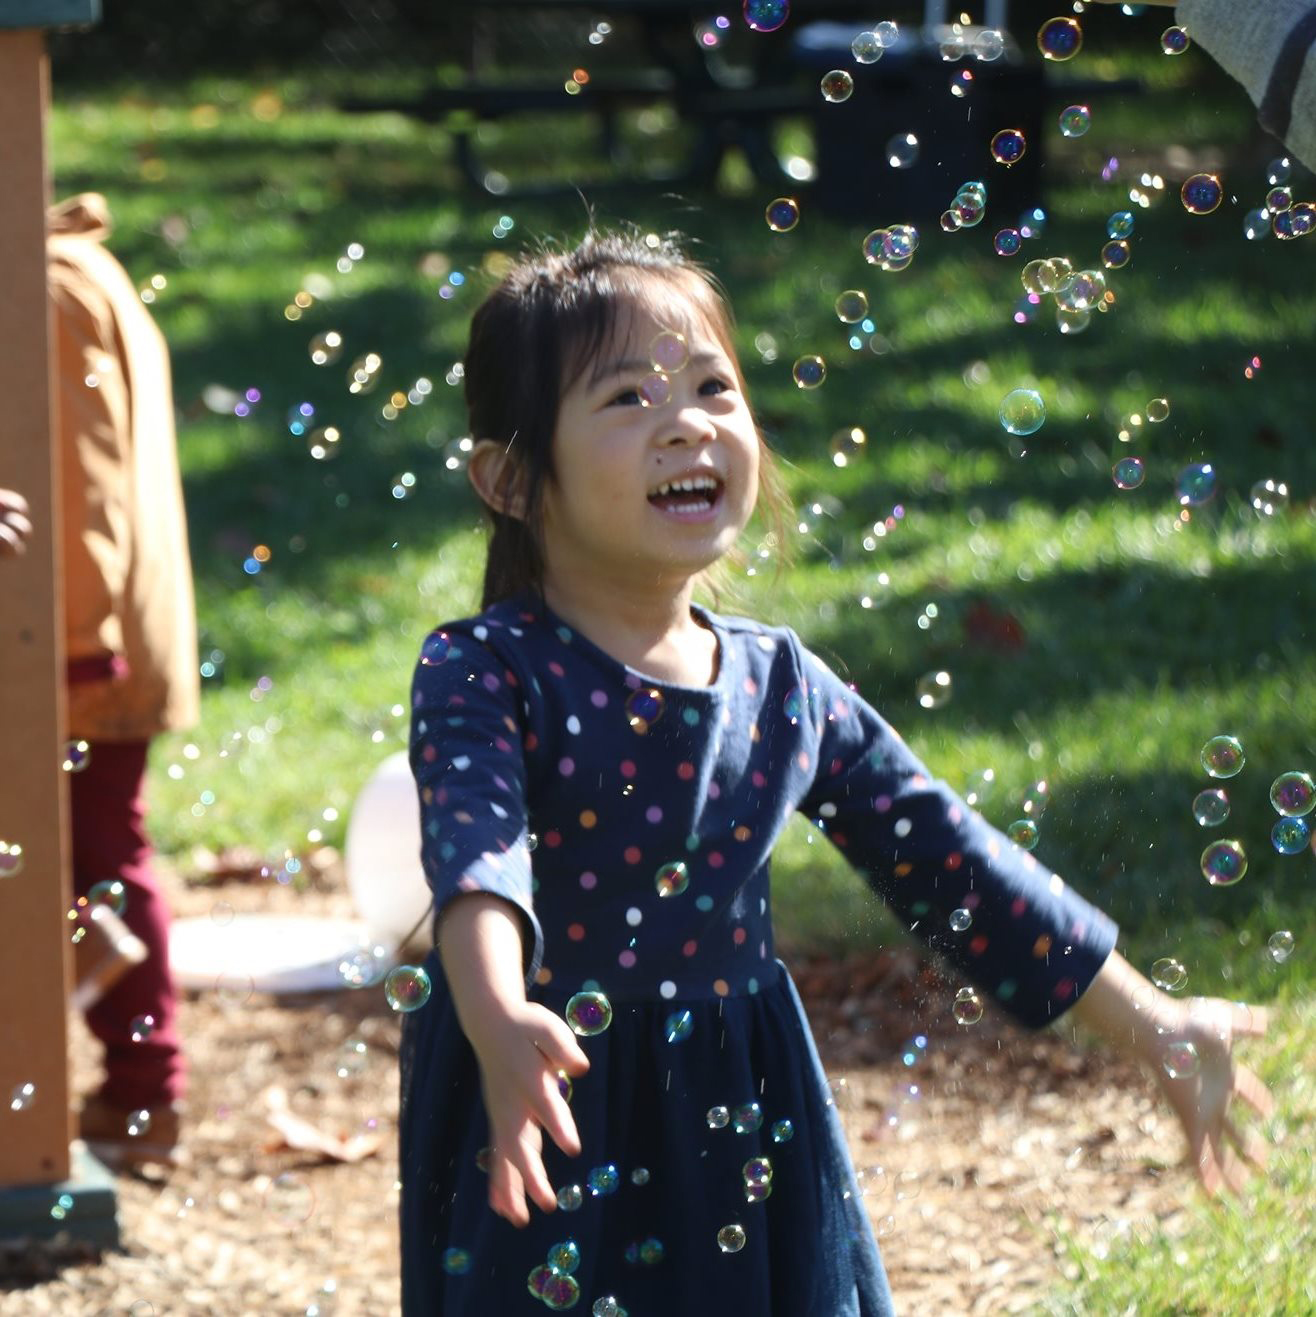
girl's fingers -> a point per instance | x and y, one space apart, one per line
1254 1149
1249 1086
531 1166
1250 1021
555 1116
507 1191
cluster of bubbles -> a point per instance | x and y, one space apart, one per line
891 249
967 209
554 1283
1279 214
869 46
1024 832
669 354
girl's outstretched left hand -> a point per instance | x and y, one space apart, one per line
1196 1070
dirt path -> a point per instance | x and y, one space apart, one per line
971 1157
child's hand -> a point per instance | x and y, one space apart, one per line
519 1060
1201 1098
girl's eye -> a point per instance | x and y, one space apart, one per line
627 398
717 385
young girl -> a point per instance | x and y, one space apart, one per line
604 766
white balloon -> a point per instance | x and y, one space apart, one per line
383 856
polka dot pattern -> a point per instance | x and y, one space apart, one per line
524 733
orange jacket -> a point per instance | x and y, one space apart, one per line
130 621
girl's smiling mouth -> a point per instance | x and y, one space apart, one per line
692 497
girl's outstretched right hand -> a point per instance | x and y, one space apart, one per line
520 1054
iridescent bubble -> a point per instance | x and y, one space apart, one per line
809 372
589 1013
457 1261
836 86
1303 218
782 214
138 1123
654 389
1036 800
874 247
1169 974
902 150
607 1307
847 445
1083 292
1008 146
1269 497
961 83
1158 410
1283 227
1060 39
758 1193
866 48
1031 277
1201 194
950 221
290 1199
564 1258
1180 1059
1116 255
560 1293
570 1197
1279 170
970 211
668 351
1022 412
746 1118
1222 756
1007 242
988 45
731 1239
1174 41
538 1278
22 1096
603 1180
76 756
436 649
11 859
960 920
325 443
783 1131
326 348
565 1087
1128 473
1293 794
141 1027
407 988
1279 199
678 1026
757 1170
967 1008
644 707
887 32
933 689
640 1176
651 1251
1072 322
1290 836
766 15
1120 224
672 878
1211 807
899 243
718 1118
1256 225
1023 832
1224 863
1280 946
300 418
109 892
851 306
1195 484
1075 120
362 377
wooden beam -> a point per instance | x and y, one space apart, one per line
35 967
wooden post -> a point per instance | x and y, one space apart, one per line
35 960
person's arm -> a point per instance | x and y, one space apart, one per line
520 1047
1188 1046
15 528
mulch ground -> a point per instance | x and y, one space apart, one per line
976 1161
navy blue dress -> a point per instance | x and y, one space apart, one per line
632 821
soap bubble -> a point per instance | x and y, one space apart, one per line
1279 199
1060 39
1174 41
933 689
1269 497
141 1027
1158 410
1120 224
1224 863
1072 322
887 32
1222 756
782 214
326 348
961 83
290 1199
1128 473
1075 120
1031 277
1195 484
1211 807
678 1026
22 1096
1201 194
988 45
1279 170
407 988
968 1007
1290 836
902 150
1256 225
324 443
1280 946
672 878
564 1258
109 892
76 756
809 372
654 389
783 1131
644 707
570 1197
836 86
1008 146
457 1261
1116 255
731 1239
1180 1060
851 306
746 1118
847 445
1169 974
607 1307
1024 834
668 351
138 1123
589 1013
757 1170
560 1292
766 15
717 1118
11 859
1293 794
1022 412
1007 242
866 48
960 920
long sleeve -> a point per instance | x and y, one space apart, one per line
1270 47
1031 942
468 759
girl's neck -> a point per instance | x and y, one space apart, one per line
651 630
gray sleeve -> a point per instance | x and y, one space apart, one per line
1270 47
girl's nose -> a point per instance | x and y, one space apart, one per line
692 425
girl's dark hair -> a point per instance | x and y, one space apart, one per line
532 336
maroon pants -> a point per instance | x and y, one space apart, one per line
110 841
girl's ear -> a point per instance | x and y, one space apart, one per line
497 478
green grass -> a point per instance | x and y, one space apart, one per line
1144 634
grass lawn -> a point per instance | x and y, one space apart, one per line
1095 638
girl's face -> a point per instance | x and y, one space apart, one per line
659 492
